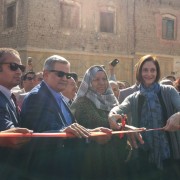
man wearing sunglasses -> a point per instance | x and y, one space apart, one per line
27 85
11 70
69 93
28 81
44 110
38 78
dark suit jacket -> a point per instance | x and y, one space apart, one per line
9 157
48 157
40 111
8 116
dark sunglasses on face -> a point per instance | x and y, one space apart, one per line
29 78
15 66
61 74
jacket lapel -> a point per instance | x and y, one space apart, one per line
11 109
61 118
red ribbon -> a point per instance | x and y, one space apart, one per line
123 123
66 135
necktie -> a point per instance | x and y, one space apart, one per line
15 102
65 112
70 102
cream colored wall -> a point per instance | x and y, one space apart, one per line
80 62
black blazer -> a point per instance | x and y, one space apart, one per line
8 115
40 111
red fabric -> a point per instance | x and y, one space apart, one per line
123 122
18 110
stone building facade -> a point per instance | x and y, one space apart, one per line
89 32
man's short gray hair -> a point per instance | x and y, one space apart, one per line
50 62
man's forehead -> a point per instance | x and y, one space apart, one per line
11 56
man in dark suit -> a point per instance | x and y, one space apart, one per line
45 110
10 75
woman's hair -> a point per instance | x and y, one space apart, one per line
140 64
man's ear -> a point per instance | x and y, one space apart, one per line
45 73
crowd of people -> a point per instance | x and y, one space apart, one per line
54 101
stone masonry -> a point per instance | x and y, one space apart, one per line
39 33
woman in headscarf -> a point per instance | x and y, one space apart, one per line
150 107
95 98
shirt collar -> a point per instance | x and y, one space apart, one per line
55 94
65 98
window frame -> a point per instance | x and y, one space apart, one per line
12 23
101 26
73 5
168 17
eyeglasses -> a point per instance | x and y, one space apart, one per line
15 66
29 78
61 74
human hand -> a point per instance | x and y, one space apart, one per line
102 139
113 118
111 68
77 130
15 142
173 123
134 137
17 130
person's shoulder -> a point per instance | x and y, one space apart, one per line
132 88
169 90
166 87
82 100
37 93
3 99
134 95
39 89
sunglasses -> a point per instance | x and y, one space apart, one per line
29 78
61 74
15 66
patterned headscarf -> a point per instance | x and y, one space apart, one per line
105 101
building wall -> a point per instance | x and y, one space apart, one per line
39 34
